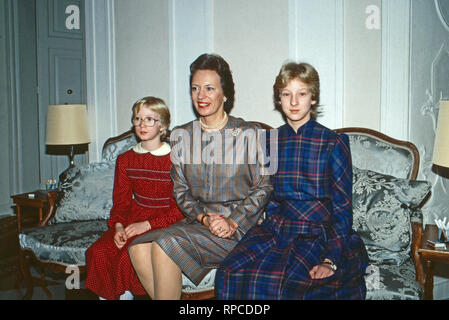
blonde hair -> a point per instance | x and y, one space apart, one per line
303 72
156 105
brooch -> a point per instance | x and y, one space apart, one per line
236 131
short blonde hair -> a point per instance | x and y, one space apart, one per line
156 105
303 72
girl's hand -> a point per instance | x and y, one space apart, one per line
120 237
320 271
137 228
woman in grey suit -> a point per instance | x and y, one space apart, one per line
218 186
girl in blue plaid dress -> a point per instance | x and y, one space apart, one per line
306 247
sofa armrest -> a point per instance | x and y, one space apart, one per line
418 231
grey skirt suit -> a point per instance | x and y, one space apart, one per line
211 172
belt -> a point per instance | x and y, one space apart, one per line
304 228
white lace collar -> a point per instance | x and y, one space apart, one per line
163 150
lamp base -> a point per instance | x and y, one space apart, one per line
68 175
72 171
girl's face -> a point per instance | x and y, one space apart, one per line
207 93
296 101
147 124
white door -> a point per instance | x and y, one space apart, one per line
61 73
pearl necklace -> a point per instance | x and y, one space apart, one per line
215 126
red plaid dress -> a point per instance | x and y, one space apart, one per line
142 191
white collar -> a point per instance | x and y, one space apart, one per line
163 150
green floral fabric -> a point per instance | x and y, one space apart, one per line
383 209
371 153
63 243
86 194
392 282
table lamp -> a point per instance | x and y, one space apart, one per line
67 125
441 147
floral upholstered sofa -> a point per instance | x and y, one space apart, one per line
387 214
386 202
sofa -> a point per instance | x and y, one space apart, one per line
386 200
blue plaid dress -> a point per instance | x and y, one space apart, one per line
309 218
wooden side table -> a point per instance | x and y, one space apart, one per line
44 201
40 201
430 256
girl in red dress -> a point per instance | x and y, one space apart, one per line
142 201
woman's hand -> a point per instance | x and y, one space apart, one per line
320 271
220 226
120 237
137 228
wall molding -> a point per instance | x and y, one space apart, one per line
316 34
395 84
443 15
100 73
9 100
191 29
293 29
12 55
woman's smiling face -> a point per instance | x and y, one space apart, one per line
207 93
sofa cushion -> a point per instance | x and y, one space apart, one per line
372 153
390 282
66 244
383 207
62 243
86 194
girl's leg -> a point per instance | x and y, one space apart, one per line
140 255
167 275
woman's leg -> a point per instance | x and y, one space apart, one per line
167 275
140 255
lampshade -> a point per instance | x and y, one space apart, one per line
441 148
67 125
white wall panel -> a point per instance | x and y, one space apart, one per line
253 36
395 84
100 74
191 34
316 37
142 54
362 63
